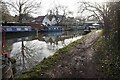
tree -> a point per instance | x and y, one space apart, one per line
5 14
108 43
23 7
60 12
101 11
111 46
0 12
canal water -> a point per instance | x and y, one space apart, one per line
29 48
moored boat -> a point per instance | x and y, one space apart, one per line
52 28
15 27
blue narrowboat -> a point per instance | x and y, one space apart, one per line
52 28
16 28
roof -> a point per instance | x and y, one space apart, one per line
50 17
34 25
55 16
39 18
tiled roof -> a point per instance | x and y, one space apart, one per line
39 18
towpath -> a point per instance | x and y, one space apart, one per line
79 62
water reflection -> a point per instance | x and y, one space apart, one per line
30 50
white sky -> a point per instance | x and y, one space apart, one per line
72 5
47 4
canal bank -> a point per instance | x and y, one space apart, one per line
70 61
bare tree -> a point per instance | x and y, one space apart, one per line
0 12
22 7
60 12
105 12
5 14
93 8
100 10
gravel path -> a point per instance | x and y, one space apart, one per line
78 62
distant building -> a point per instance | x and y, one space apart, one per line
69 21
46 20
91 22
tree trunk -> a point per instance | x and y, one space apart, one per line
106 26
20 18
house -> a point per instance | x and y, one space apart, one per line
46 20
39 19
68 21
53 20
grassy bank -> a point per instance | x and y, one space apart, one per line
108 57
48 63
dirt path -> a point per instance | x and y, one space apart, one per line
78 62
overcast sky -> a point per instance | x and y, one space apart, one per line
47 4
72 5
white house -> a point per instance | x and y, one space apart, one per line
53 21
46 20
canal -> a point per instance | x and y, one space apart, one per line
29 49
